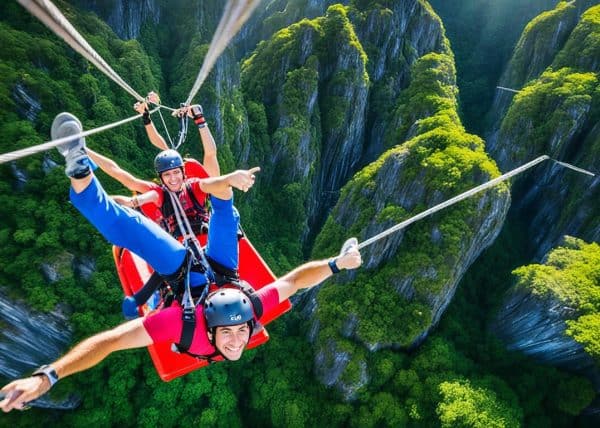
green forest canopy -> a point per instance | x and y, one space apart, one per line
459 376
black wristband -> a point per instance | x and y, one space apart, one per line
334 268
146 118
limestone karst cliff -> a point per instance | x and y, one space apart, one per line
556 113
551 312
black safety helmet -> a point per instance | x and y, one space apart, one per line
166 160
228 306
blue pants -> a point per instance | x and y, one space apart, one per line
129 229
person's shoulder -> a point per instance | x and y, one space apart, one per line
165 324
268 295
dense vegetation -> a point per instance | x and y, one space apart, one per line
555 113
571 275
429 106
460 376
561 98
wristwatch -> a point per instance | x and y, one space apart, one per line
49 372
333 266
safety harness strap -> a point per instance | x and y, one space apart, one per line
189 326
209 358
168 211
144 293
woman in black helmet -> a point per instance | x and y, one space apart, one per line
224 322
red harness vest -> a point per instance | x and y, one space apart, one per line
194 207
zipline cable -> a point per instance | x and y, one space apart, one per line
468 194
508 89
574 168
236 12
49 14
183 127
10 156
165 127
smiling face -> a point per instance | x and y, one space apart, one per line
231 340
173 179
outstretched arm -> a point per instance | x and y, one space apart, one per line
155 138
313 273
136 201
83 356
111 168
221 186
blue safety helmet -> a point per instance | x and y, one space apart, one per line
228 306
166 160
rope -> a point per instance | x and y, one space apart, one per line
186 229
235 14
17 154
166 129
183 128
189 240
508 89
49 14
574 168
165 107
465 195
187 234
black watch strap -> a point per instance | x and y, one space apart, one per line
334 268
49 372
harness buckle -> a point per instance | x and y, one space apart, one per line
189 313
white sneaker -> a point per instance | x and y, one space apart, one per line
77 161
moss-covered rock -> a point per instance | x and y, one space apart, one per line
582 50
557 114
546 116
552 311
307 88
542 39
411 276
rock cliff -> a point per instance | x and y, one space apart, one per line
541 40
549 313
125 17
20 350
410 277
556 114
344 87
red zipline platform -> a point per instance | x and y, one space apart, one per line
134 272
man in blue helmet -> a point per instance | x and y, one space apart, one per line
227 317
